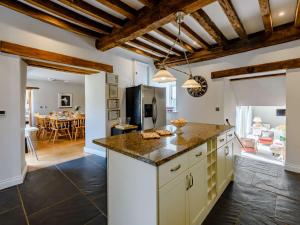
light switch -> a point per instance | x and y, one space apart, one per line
2 113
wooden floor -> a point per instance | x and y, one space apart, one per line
50 154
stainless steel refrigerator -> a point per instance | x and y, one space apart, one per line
146 106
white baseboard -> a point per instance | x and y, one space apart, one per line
13 180
292 167
98 152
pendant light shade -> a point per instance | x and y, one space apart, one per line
163 76
191 83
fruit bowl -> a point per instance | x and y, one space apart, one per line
179 123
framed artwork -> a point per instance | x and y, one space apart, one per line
113 91
112 78
113 114
65 100
113 103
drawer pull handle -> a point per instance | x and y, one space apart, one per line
221 140
191 181
175 168
187 182
199 154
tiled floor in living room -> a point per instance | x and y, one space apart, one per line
74 193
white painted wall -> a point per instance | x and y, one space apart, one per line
95 112
292 121
45 99
12 86
268 115
203 109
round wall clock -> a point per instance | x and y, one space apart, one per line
198 92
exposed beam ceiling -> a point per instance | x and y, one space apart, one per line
266 67
139 51
58 67
34 53
192 35
148 47
172 37
149 19
161 44
280 35
148 3
297 17
265 11
233 18
70 15
94 12
120 7
209 26
47 18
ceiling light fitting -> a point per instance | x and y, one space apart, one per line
163 75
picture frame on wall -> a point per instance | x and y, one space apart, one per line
65 100
113 114
113 103
112 78
113 91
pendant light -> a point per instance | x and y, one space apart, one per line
163 75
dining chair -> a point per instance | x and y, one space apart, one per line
59 128
43 124
78 126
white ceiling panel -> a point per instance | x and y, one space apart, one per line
249 14
217 15
104 8
134 4
174 30
144 49
151 44
195 26
283 11
165 40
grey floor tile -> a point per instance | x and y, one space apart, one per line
101 202
75 211
14 216
9 199
98 160
45 187
287 211
98 220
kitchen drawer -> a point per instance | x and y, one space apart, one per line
221 140
230 135
197 154
172 169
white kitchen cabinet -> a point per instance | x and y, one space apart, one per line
221 164
229 158
197 193
173 200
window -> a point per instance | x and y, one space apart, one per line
171 97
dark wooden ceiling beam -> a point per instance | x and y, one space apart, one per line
70 15
94 12
265 11
259 77
58 67
209 26
47 18
259 68
140 52
33 53
192 35
281 34
120 7
233 17
149 19
161 44
148 47
297 17
172 37
148 3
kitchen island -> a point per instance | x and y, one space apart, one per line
174 180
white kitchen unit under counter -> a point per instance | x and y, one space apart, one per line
174 180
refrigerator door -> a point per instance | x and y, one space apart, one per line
160 113
147 107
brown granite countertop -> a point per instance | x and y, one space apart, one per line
159 151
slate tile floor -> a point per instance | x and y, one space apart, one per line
74 193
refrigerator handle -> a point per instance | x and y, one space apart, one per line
154 111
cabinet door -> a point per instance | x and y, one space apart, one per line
173 200
229 158
221 167
198 192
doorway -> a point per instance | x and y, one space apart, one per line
262 130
